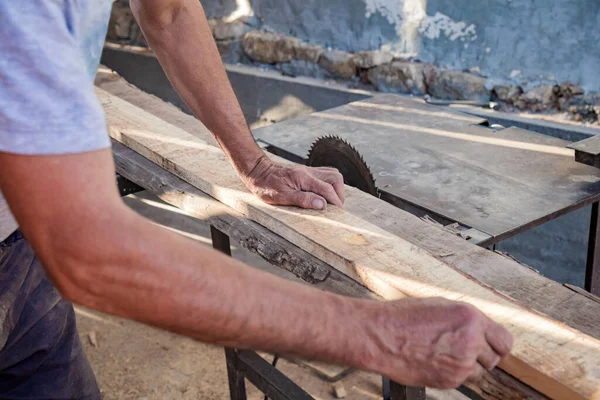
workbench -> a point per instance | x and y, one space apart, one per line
505 275
451 166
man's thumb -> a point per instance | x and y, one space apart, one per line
309 200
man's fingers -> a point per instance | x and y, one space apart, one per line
306 200
322 188
476 374
334 178
330 169
338 186
499 339
488 359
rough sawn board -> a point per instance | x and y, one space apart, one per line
551 357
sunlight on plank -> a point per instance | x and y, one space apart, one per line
156 204
190 144
504 311
455 135
415 111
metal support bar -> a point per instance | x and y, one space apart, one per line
244 364
592 271
220 241
268 379
237 386
401 392
126 187
395 391
469 393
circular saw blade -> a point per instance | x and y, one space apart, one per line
333 151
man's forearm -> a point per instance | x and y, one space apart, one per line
103 255
180 36
196 291
178 32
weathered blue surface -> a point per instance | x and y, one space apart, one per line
543 39
558 249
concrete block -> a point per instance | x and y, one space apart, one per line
507 93
402 77
269 47
370 59
302 68
339 64
229 30
457 85
540 98
307 52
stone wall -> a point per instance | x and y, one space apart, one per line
529 40
245 36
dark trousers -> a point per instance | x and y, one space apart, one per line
41 356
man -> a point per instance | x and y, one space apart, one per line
57 175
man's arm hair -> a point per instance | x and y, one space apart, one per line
104 256
179 35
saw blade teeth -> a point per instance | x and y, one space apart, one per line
333 142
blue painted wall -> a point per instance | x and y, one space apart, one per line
553 40
557 249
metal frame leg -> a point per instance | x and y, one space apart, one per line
220 241
396 391
237 384
385 388
270 381
401 392
127 187
592 271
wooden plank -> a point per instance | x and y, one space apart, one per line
114 84
503 274
247 233
554 359
583 292
590 145
495 385
587 151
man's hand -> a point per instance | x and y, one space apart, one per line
179 34
295 185
434 342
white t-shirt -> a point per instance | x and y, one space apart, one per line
49 53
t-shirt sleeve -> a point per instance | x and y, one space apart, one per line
47 101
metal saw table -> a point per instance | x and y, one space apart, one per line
495 183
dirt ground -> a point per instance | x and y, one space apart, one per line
135 361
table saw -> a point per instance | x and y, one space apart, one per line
523 285
488 183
